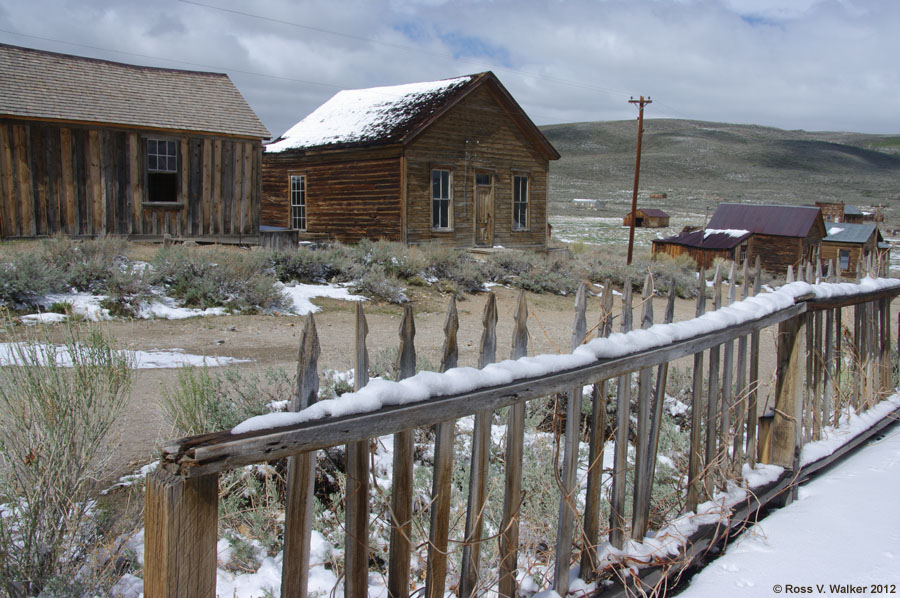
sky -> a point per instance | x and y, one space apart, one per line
793 64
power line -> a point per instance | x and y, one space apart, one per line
608 91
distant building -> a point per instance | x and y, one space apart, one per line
647 218
846 243
589 204
455 162
840 212
704 246
782 235
92 147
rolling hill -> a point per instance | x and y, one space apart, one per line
698 164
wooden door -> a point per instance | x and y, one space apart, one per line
484 209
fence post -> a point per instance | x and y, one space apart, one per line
565 529
301 474
642 440
620 461
181 522
753 382
481 445
593 495
727 406
356 543
712 405
439 532
693 493
740 409
786 439
402 480
515 439
828 373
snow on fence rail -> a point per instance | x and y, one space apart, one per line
726 431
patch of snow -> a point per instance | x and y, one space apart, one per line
835 230
301 295
731 232
10 354
43 318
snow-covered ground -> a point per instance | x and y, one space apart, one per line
11 353
843 531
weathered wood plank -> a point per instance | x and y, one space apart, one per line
566 519
727 407
9 224
740 406
481 438
356 547
620 458
786 439
181 517
640 511
439 531
515 441
402 479
693 492
597 441
301 474
711 463
753 380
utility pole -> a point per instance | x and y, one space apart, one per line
637 171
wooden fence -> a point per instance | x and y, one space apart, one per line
726 431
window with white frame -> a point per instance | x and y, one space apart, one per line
162 170
298 201
520 202
441 198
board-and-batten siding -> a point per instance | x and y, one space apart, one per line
703 257
776 253
349 197
831 251
476 135
89 181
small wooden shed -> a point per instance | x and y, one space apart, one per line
782 235
455 162
92 147
704 246
647 218
846 242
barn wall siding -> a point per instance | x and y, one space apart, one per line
703 257
349 196
90 181
476 135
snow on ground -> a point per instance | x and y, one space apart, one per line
301 295
843 531
10 354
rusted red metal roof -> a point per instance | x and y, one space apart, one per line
652 213
783 221
706 239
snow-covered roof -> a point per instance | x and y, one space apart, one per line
369 115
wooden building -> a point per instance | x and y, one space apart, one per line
840 212
647 218
782 235
455 162
704 246
846 243
91 147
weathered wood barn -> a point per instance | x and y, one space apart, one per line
91 147
704 246
782 235
840 212
647 218
846 243
456 162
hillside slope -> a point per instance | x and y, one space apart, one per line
699 164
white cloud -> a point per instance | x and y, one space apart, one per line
819 64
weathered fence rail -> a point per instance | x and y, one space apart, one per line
181 499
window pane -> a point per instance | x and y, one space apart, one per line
172 167
151 146
151 161
435 183
482 179
170 148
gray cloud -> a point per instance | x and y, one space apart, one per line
819 64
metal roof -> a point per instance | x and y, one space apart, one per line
852 210
843 232
784 221
46 85
701 240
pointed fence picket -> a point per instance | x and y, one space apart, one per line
181 496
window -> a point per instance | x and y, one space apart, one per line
845 259
440 199
162 170
298 201
743 253
520 203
